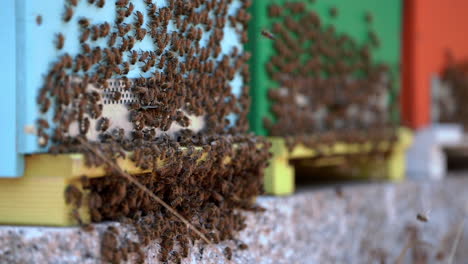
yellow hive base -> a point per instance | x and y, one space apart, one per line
38 198
279 176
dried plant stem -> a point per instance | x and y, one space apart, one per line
143 188
460 230
404 250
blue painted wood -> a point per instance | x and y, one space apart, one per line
37 50
11 163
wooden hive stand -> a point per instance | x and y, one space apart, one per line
280 175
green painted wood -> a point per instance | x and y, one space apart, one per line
350 20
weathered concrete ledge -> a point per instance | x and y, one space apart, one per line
368 223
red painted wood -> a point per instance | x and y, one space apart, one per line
431 29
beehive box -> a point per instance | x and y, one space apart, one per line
30 34
326 84
432 30
350 19
153 88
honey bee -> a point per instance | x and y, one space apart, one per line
84 35
140 33
121 3
268 34
95 33
126 67
129 10
86 48
144 55
139 19
104 29
101 3
83 22
117 95
43 123
45 105
228 252
60 41
73 2
368 17
243 246
103 124
112 39
84 125
133 57
422 218
333 12
73 195
39 20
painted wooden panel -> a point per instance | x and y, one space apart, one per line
431 29
35 52
350 20
11 162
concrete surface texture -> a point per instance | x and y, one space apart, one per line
365 223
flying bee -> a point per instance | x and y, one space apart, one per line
422 218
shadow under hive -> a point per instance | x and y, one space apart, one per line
326 81
161 83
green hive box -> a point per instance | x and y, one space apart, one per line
351 19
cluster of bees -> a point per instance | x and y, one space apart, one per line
455 76
180 72
326 81
209 191
180 76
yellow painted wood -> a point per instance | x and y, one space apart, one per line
70 166
28 200
279 177
396 165
280 174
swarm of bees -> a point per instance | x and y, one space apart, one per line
178 74
204 189
452 108
325 82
